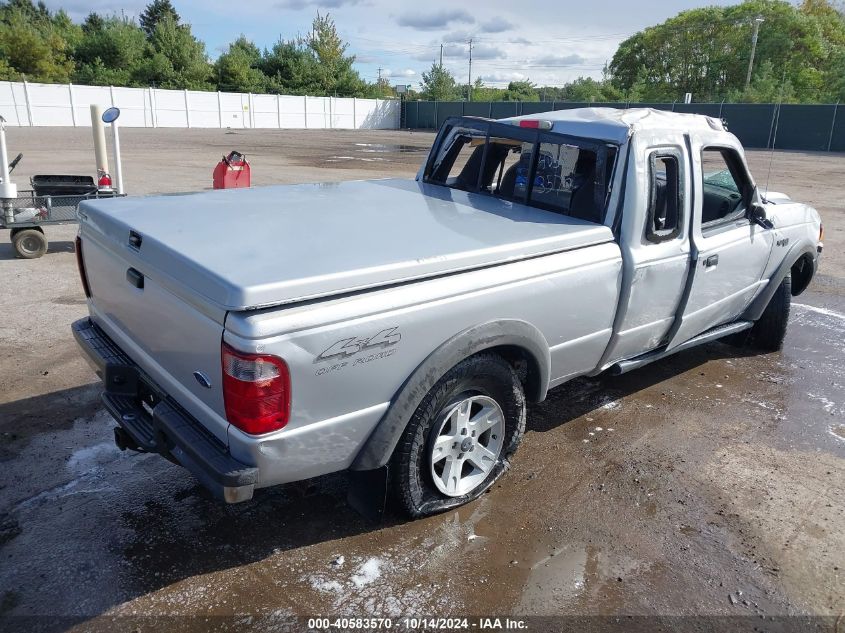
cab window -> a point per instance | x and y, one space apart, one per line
520 165
726 189
665 205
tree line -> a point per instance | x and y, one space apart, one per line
160 50
800 57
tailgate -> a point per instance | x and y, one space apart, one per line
171 337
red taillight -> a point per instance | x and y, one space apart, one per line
256 391
81 265
104 181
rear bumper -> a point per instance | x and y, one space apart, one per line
163 428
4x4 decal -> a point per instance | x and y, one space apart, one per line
349 346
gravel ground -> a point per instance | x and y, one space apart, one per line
710 484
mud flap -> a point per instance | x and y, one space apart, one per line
368 493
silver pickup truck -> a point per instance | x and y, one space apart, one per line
396 329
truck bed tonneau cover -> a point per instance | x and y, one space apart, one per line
242 249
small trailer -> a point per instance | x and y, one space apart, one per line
53 199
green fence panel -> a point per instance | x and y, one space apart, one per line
445 109
708 109
426 115
477 108
804 127
837 139
801 127
750 122
569 105
504 109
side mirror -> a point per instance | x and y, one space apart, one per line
757 214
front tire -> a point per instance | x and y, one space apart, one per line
770 330
459 439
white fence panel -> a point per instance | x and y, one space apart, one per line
33 104
205 109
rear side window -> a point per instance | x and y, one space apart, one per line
665 202
563 174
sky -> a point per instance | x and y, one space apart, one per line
549 42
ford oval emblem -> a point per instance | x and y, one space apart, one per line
202 379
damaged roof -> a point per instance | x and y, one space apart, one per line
616 124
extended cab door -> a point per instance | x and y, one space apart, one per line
729 251
655 246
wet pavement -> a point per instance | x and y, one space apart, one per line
714 460
708 484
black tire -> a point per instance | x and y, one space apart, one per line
30 243
768 333
484 374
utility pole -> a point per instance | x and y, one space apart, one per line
441 57
757 22
379 76
469 77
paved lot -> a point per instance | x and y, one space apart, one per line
712 483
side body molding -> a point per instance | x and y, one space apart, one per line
504 333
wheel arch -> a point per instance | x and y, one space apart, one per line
800 252
516 341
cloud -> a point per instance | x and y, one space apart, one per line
503 77
485 51
495 25
455 50
398 73
434 20
299 5
457 36
557 60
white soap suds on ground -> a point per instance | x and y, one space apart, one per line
367 573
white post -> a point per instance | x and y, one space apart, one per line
111 95
279 111
154 107
305 110
7 189
331 115
251 106
101 157
28 103
15 103
72 104
354 113
187 109
219 110
118 168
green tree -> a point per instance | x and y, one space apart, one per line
288 68
155 12
521 91
706 51
178 59
438 84
32 45
333 68
238 68
110 53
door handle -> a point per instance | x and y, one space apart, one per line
711 261
135 278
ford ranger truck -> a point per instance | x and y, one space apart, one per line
397 328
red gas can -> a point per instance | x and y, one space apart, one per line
232 172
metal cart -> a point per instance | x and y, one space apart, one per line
52 200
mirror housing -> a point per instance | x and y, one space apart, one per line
757 214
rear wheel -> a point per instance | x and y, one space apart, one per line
29 243
769 331
459 439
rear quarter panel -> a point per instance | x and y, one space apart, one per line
348 357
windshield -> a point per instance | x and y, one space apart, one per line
542 169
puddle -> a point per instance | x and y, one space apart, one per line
385 148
